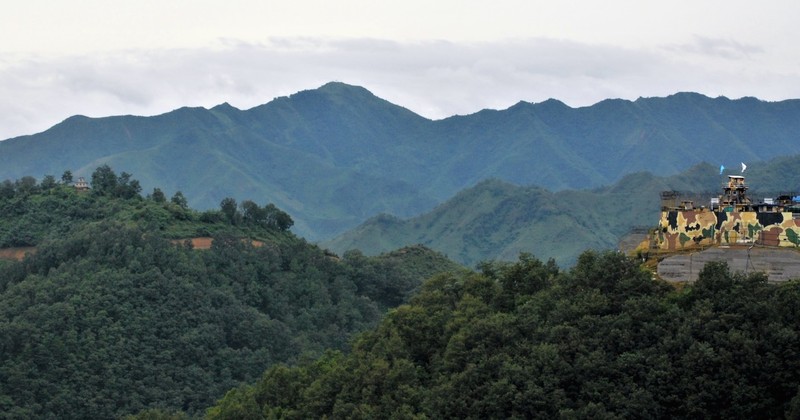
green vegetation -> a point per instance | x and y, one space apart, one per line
34 212
335 156
495 220
115 313
526 340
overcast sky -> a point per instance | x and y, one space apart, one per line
437 58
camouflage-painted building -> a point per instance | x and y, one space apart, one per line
730 219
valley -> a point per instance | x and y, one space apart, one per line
330 253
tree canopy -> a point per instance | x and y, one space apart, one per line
116 314
32 211
525 340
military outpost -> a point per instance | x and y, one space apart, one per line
750 236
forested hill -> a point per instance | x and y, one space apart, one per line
115 312
527 340
334 156
498 220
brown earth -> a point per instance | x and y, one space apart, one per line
204 242
201 242
18 253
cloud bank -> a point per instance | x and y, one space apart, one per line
435 79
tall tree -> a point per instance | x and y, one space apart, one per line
158 195
26 184
228 208
48 182
277 217
252 213
127 187
179 199
104 180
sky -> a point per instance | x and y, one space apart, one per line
437 58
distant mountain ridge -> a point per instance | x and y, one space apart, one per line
334 156
498 220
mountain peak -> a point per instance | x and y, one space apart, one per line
339 88
223 106
546 104
554 102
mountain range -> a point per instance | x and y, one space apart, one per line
499 220
337 155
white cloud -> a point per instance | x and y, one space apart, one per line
719 47
433 78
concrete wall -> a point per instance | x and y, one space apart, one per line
778 264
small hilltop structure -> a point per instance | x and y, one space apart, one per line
81 184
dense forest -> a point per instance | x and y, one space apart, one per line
31 211
114 311
528 340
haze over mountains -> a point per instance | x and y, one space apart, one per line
335 156
496 220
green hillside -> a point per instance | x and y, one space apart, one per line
498 220
335 156
527 340
115 312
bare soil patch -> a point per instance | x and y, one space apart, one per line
17 253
